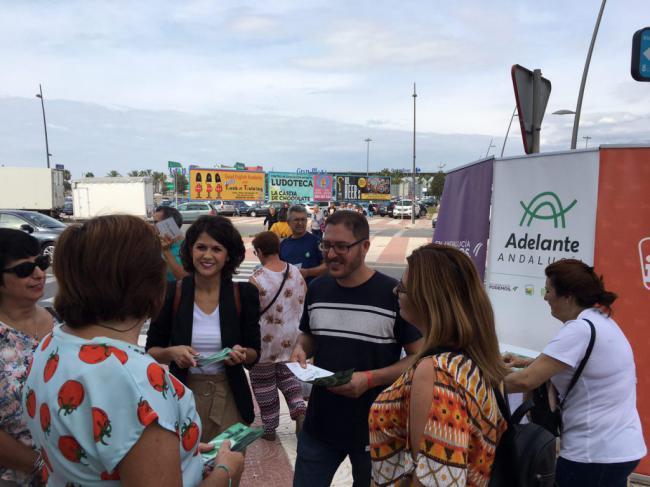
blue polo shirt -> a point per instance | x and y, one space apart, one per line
302 251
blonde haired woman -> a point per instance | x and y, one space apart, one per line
439 423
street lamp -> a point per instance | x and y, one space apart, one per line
576 120
414 169
489 147
47 146
503 147
587 139
367 141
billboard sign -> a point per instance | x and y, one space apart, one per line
537 219
286 186
217 184
322 187
362 188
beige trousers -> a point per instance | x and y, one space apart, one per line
215 404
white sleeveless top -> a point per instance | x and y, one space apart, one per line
206 338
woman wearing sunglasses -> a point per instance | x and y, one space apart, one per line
22 324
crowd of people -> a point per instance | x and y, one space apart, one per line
83 404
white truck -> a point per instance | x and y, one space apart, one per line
106 196
32 188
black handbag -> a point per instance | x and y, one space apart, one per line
547 410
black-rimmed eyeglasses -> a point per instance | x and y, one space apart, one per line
339 247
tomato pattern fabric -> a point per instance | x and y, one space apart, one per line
460 435
87 402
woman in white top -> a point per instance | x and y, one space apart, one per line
204 314
601 439
282 297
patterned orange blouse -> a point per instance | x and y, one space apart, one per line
460 436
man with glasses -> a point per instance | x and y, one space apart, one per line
301 248
350 321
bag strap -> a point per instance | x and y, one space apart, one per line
177 297
237 299
578 372
284 279
54 314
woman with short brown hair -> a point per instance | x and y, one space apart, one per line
96 404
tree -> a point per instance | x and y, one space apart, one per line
182 184
159 180
396 175
437 184
113 174
66 180
133 174
89 175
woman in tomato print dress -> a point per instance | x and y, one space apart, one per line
100 410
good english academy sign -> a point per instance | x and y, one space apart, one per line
539 248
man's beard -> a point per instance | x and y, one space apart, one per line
349 267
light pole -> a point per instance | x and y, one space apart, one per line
47 146
576 120
514 113
587 139
413 200
367 141
489 147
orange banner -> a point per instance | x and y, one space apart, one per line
218 184
622 255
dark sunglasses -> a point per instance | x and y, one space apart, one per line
27 268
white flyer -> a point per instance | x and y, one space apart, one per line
169 228
310 373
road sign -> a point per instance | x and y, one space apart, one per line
60 167
641 55
531 93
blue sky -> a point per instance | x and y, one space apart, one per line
349 65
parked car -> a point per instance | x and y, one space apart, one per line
404 208
258 210
385 209
46 229
192 210
68 208
241 207
224 207
430 202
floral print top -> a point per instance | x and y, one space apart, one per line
87 402
16 350
279 324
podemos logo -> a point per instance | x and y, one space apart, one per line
546 206
539 249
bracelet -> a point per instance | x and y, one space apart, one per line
227 470
368 378
38 464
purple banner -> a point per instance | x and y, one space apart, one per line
464 217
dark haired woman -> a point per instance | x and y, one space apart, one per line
601 439
99 409
210 314
22 324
